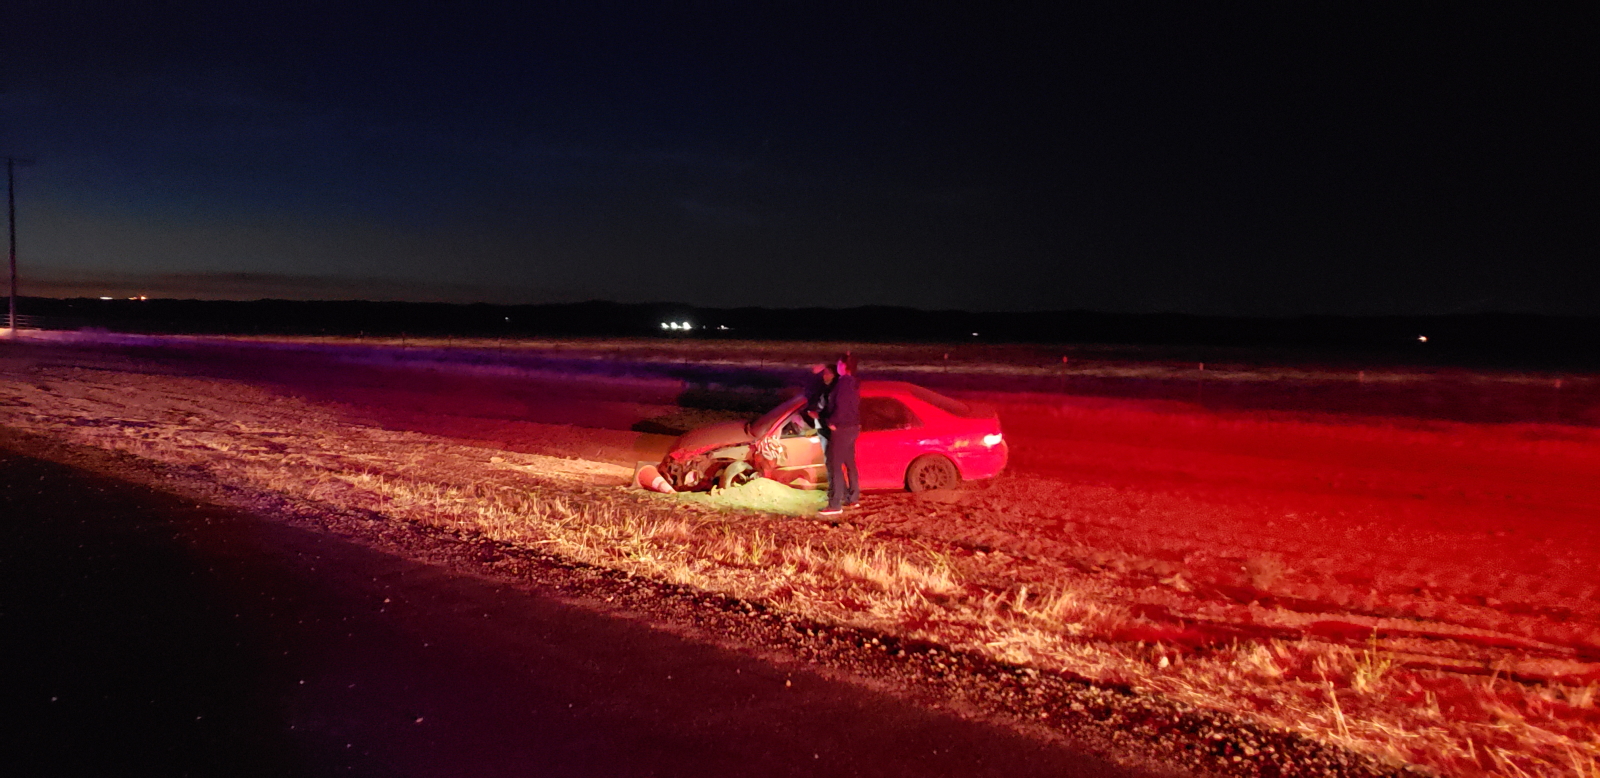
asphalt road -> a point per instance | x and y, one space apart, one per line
151 636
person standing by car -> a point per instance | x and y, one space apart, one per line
841 416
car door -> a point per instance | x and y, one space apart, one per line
803 454
890 438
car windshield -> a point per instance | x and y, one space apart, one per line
768 421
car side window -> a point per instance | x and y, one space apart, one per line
886 413
796 427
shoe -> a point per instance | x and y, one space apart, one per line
830 512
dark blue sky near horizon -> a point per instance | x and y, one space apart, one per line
1271 159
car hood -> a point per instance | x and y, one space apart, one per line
711 436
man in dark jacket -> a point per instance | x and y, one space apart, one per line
841 417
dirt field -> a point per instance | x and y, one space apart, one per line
1399 562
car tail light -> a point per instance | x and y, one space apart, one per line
992 440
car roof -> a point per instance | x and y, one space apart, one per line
886 387
924 396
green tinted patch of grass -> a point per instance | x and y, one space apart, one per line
762 494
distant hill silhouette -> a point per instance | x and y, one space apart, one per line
1509 340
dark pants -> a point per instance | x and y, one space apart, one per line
844 484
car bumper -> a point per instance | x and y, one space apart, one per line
980 463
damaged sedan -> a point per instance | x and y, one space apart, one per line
911 438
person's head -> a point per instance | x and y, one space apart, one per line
846 363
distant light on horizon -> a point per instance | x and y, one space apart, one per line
1422 338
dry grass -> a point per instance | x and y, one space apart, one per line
1051 617
1371 666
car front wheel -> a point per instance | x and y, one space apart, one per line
931 471
736 474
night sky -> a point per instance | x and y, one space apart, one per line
1210 158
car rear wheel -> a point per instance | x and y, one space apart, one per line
931 471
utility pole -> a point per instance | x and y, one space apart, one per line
11 212
11 215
